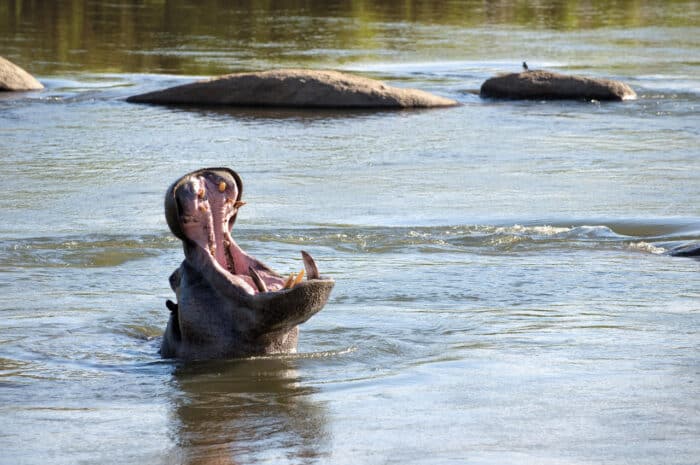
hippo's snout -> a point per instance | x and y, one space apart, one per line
228 303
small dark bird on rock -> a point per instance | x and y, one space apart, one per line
525 68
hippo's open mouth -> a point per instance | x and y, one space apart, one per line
201 209
229 304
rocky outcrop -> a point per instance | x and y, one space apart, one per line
295 88
14 78
550 86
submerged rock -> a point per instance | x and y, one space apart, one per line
14 78
548 85
294 88
688 250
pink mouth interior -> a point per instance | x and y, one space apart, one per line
207 209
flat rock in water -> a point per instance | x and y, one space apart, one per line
538 84
294 88
14 78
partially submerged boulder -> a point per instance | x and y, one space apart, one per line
539 84
14 78
687 250
295 88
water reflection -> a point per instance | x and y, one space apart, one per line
228 412
285 115
211 37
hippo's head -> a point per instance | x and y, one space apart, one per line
228 303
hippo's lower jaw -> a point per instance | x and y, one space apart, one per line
229 303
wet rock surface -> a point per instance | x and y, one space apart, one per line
14 78
688 250
295 88
539 84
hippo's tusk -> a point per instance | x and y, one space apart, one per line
310 266
259 283
299 277
289 282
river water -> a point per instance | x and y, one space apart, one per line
503 292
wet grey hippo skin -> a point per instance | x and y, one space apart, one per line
229 304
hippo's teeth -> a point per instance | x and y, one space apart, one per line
310 266
222 186
212 249
299 277
238 204
288 283
259 283
200 193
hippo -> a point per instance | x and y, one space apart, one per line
294 88
229 304
14 78
541 84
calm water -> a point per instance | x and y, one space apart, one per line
502 296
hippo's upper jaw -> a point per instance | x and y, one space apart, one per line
229 303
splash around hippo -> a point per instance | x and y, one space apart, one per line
229 304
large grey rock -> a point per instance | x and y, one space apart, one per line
14 78
294 88
548 85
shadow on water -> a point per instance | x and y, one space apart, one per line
301 115
227 412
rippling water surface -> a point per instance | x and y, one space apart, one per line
504 292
